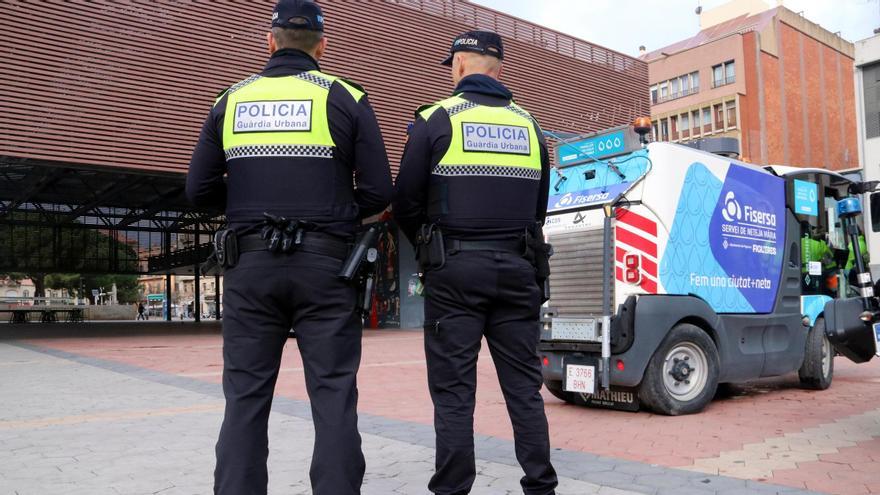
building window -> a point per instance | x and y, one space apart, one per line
655 131
707 119
871 82
664 130
719 117
695 122
685 126
25 293
677 87
723 74
731 115
673 128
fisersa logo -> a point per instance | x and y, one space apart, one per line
571 199
731 210
496 138
267 116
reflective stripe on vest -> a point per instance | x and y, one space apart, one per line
280 117
489 141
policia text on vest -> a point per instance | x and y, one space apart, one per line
295 160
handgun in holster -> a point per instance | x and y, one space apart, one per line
538 253
360 266
430 248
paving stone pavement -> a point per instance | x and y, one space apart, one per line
77 425
786 452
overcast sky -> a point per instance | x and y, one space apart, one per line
623 25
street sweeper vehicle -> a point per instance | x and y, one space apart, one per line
676 270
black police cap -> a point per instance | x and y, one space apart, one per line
298 14
482 42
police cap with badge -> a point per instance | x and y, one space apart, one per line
298 14
482 42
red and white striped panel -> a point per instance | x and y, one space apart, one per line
636 234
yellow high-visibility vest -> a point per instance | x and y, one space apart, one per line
282 116
488 141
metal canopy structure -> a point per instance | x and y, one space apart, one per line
98 121
58 217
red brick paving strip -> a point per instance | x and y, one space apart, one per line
767 409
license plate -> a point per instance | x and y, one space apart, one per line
583 329
580 378
877 339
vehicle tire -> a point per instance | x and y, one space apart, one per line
555 388
682 375
818 368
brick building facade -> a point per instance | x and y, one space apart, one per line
779 83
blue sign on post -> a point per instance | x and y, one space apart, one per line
806 198
594 147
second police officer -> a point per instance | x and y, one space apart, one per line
472 187
290 141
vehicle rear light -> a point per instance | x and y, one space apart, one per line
632 268
620 365
546 361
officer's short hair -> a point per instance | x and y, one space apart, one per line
300 39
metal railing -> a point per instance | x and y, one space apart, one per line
724 81
679 94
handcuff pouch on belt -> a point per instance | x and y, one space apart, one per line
430 248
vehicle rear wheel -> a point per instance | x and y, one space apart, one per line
555 388
682 376
817 370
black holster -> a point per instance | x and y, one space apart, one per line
225 253
430 248
538 253
360 268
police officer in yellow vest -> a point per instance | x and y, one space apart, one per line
289 141
473 183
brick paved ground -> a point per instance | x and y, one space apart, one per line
135 409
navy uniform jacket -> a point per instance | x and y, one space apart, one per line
429 141
355 184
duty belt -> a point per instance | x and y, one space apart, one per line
312 242
508 246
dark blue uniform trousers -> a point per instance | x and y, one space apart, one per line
491 294
265 296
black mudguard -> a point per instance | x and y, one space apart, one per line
849 335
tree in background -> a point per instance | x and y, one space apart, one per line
77 253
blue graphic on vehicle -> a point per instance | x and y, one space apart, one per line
813 306
594 147
747 234
688 266
725 244
806 198
596 182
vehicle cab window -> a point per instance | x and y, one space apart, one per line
826 258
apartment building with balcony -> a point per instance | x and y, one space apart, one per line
779 84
